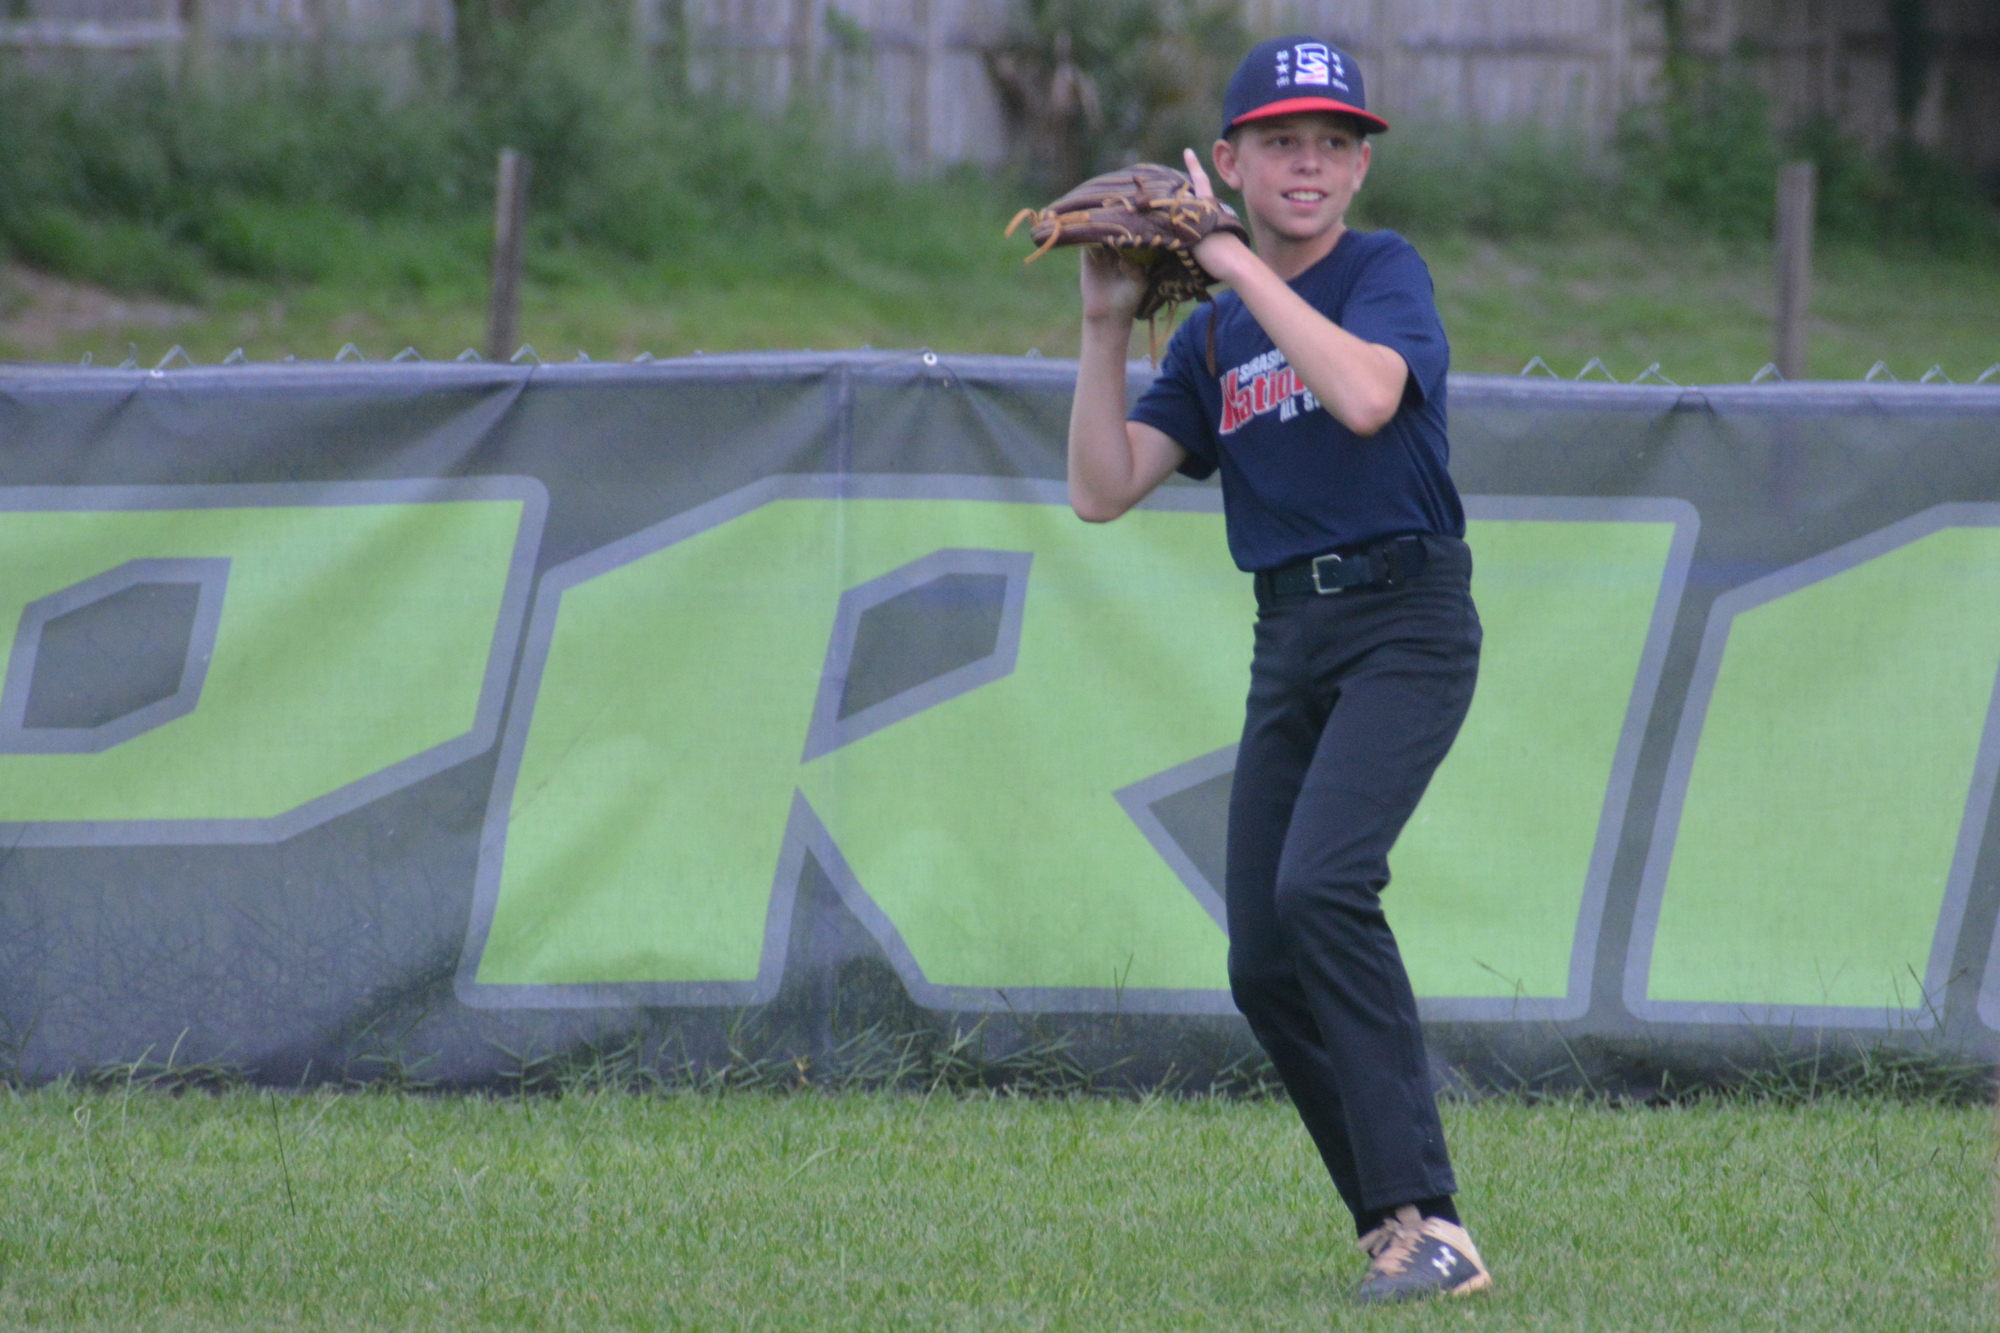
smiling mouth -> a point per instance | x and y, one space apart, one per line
1305 196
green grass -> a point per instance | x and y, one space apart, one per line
1701 309
881 1212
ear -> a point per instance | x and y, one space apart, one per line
1367 156
1223 155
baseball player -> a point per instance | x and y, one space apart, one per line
1326 417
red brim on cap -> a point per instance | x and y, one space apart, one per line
1293 106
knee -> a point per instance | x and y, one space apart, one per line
1298 902
1303 904
1260 990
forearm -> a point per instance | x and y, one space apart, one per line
1360 383
1104 476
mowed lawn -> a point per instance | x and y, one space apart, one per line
892 1211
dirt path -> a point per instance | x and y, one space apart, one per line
38 311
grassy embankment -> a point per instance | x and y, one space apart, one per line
879 1212
1701 309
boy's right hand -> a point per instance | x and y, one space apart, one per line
1113 287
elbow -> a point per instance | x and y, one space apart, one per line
1092 506
1094 510
1374 402
1368 419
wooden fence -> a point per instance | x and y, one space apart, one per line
385 36
907 76
140 24
1582 63
910 76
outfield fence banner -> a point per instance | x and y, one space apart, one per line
444 721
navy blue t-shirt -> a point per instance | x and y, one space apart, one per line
1295 482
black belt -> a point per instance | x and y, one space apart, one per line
1383 564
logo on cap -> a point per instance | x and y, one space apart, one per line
1317 64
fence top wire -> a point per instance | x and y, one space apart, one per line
1537 386
1593 370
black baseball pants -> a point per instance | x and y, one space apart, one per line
1354 700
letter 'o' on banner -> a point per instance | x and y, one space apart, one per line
1005 738
230 664
1829 786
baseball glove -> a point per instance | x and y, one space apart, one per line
1151 217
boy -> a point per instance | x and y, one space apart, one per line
1327 420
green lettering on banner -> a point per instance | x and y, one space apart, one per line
1491 871
1824 804
674 707
352 637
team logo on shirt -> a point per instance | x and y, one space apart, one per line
1262 384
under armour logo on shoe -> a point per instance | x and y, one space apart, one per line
1416 1257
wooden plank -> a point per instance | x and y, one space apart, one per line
89 35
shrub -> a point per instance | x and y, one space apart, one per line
1705 154
1092 84
111 251
1497 181
1935 199
123 174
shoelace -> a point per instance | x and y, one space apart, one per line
1393 1245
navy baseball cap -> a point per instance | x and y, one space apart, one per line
1287 75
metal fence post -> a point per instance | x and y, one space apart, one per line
510 222
1797 182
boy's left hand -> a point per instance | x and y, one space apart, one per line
1219 252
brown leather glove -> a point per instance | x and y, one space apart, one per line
1151 216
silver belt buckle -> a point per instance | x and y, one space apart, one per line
1318 587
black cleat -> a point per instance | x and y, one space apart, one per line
1412 1256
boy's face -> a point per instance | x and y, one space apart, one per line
1297 173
